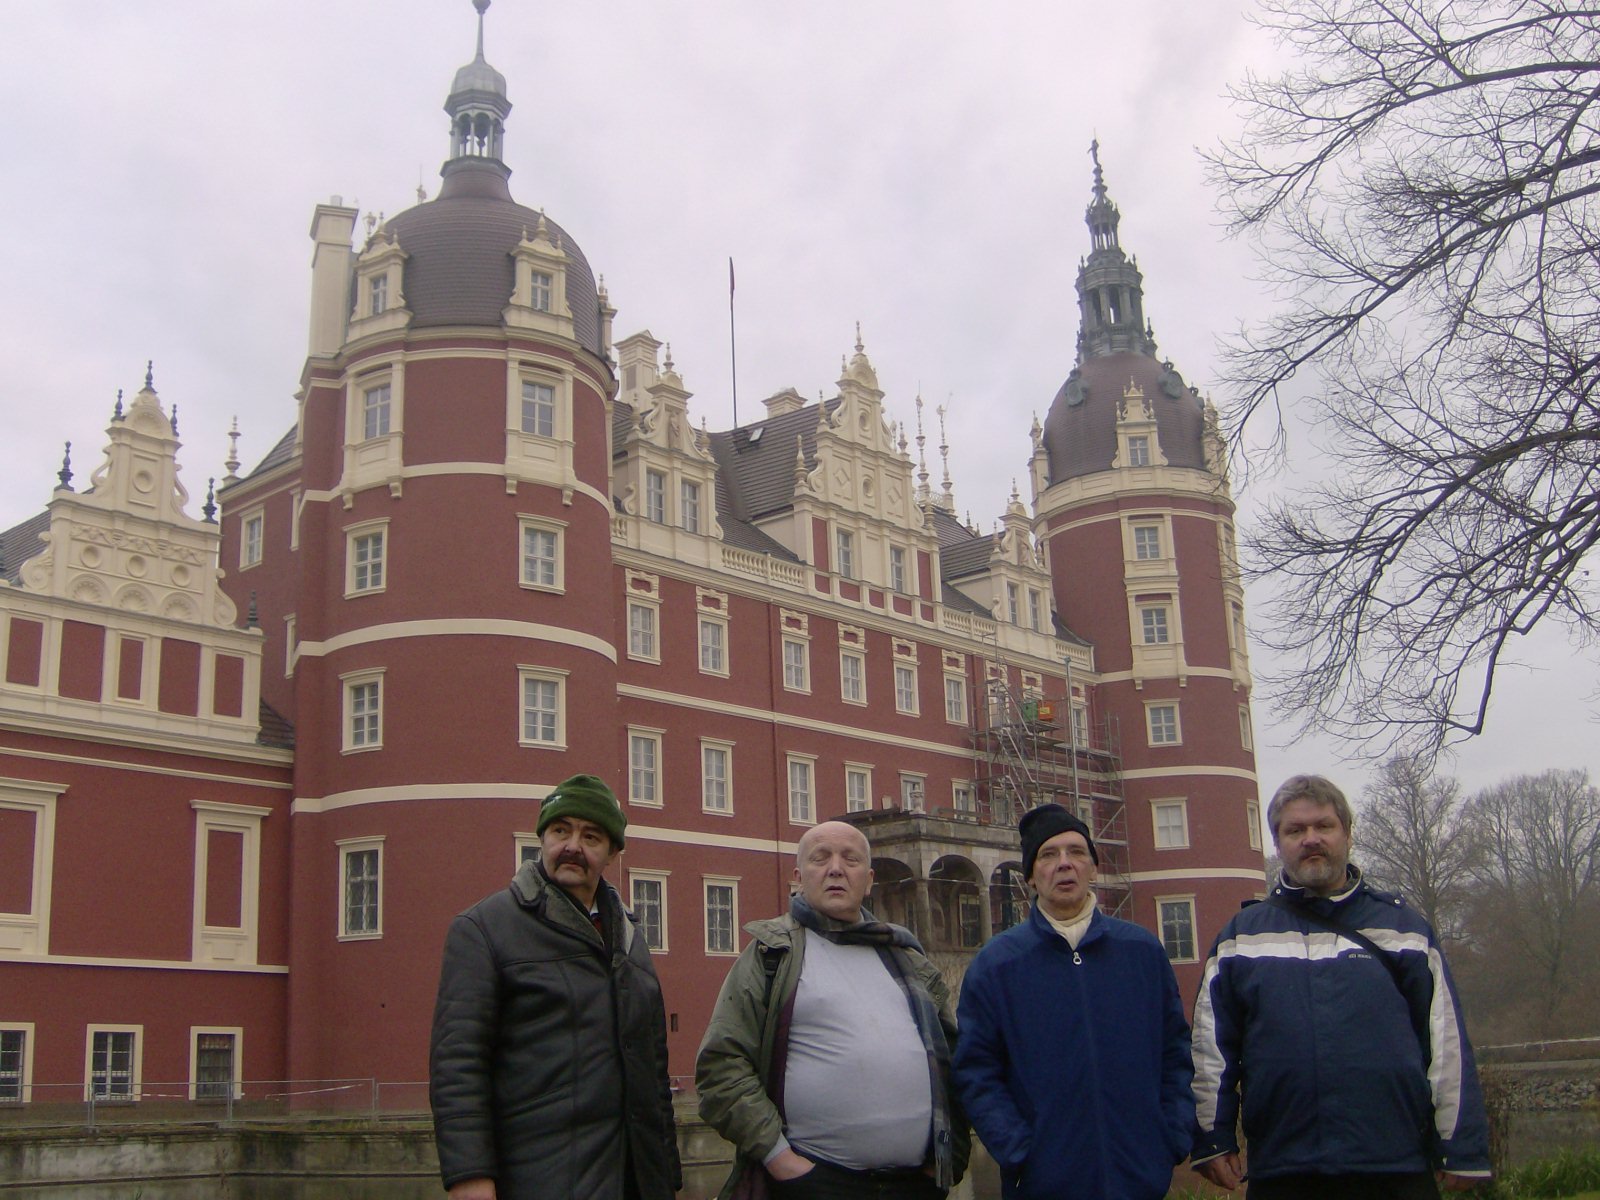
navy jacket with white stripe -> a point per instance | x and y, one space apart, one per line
1339 1072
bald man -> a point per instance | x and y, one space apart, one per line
827 1060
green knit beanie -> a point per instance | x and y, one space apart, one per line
588 798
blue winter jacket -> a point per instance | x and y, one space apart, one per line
1073 1065
1340 1072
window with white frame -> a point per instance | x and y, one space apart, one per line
655 497
114 1053
1252 823
649 903
544 721
644 767
1161 722
713 645
852 677
1177 927
1080 723
366 554
539 297
541 556
905 688
27 833
375 411
363 710
1036 610
897 569
642 641
913 792
1247 733
722 916
802 810
796 665
1153 624
1146 542
361 888
1139 450
955 699
1171 820
716 777
689 505
250 546
857 789
16 1062
378 295
845 544
538 408
963 798
214 1058
1011 604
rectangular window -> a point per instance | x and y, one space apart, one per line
215 1065
897 569
714 776
379 295
1177 928
722 913
913 793
366 561
971 920
375 411
113 1064
642 631
852 677
14 1063
1146 542
540 295
955 699
538 408
846 543
363 702
1153 621
644 769
361 884
541 557
1171 818
689 506
796 665
1080 724
713 646
1138 451
1036 610
542 711
649 904
1163 724
857 789
1252 820
905 688
250 546
800 809
963 799
1011 603
655 497
1247 733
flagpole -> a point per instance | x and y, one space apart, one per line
733 346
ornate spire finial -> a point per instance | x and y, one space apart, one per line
859 345
948 499
1099 172
232 461
922 456
116 413
209 508
65 474
174 420
482 6
150 374
668 361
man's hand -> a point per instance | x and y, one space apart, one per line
789 1165
1451 1182
1223 1171
473 1189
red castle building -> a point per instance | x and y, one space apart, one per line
496 549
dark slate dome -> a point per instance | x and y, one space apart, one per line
1080 432
459 268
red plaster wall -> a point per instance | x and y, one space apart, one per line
16 860
130 669
24 653
180 677
224 878
228 685
83 650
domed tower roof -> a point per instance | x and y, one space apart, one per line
1116 349
459 268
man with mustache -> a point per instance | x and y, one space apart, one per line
548 1073
827 1060
1329 1008
1074 1055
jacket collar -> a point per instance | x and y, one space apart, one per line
534 890
1040 924
1353 883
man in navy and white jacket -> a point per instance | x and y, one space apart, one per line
1073 1059
1348 1049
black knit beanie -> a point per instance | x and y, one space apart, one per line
1041 824
589 799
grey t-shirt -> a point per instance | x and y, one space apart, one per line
856 1086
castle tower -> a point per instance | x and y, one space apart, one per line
1131 496
430 553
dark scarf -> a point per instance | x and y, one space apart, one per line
894 944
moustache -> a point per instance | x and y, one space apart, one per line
571 858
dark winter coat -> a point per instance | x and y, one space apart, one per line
549 1056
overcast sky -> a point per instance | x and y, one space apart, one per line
901 163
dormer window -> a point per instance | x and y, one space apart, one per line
380 295
540 292
655 497
1138 450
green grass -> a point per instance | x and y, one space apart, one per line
1571 1174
